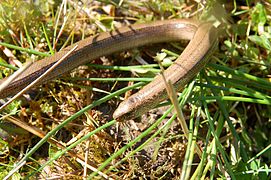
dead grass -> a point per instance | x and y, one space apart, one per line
136 149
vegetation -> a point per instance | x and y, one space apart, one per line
68 131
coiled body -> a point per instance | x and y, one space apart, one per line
202 36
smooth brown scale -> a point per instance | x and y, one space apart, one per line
202 38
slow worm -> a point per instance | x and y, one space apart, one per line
203 40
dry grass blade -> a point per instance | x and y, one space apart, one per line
37 80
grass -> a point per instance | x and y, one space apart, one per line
226 107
